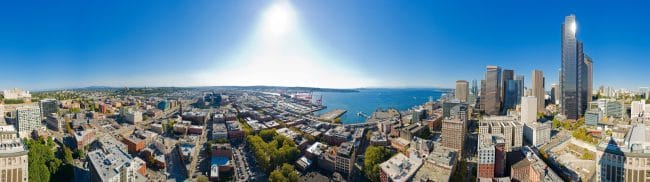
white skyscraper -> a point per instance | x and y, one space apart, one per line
28 119
529 109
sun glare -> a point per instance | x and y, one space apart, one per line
279 19
280 52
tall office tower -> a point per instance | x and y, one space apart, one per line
462 90
529 109
590 86
493 86
453 133
574 79
554 93
512 97
538 89
506 75
474 88
520 79
28 118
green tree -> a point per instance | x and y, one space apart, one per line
284 173
267 134
276 176
42 162
79 153
374 156
202 178
67 155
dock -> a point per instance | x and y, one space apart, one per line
330 116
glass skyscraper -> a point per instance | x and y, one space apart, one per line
574 76
493 85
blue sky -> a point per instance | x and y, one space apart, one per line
59 44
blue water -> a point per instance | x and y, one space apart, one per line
368 100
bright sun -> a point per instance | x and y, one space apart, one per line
279 19
280 52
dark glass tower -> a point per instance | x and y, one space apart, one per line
493 89
574 77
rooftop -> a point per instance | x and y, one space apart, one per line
317 148
345 149
109 164
400 167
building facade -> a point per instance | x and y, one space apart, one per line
13 156
462 90
28 118
493 86
509 127
537 133
453 133
529 109
574 77
538 89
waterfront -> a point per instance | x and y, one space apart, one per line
368 100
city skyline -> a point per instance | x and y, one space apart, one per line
179 48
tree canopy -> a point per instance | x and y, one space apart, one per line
42 162
283 174
272 154
374 156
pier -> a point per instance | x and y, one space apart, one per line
330 116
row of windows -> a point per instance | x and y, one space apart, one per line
12 175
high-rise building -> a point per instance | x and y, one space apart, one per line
474 87
512 95
13 156
493 86
538 89
506 75
574 77
554 94
522 81
453 133
48 106
28 118
462 90
590 86
529 109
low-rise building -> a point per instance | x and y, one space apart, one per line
134 117
399 168
336 136
234 130
438 165
219 131
114 164
54 122
134 144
